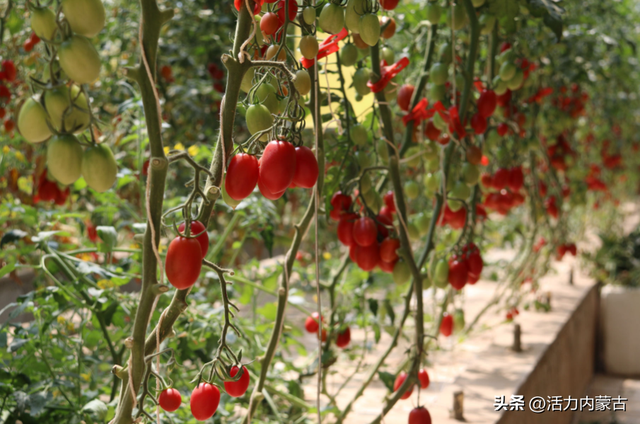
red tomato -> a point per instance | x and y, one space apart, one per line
345 228
487 103
387 266
389 201
306 173
431 132
196 228
399 380
267 193
293 10
183 262
458 273
423 378
9 125
48 191
504 99
365 231
478 123
353 252
270 23
170 400
28 46
505 46
475 263
367 257
501 178
242 176
204 401
516 179
340 202
277 165
503 129
404 96
311 324
9 70
389 4
3 112
446 327
388 249
387 214
4 92
344 338
166 72
419 415
237 388
384 222
257 5
474 154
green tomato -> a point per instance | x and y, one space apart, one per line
57 103
507 71
438 122
434 11
411 189
32 122
500 87
441 274
460 190
360 79
431 150
390 92
266 94
365 183
79 59
364 160
458 19
413 231
516 82
502 154
352 13
358 134
432 181
43 22
85 17
99 167
477 3
302 82
401 273
331 18
439 73
64 158
349 54
458 320
460 82
413 154
487 23
445 53
259 119
492 139
470 174
309 16
422 223
369 28
247 80
437 92
388 55
433 165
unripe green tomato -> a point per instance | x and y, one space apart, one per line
358 134
360 79
401 273
477 3
46 73
302 82
352 13
431 150
487 23
458 320
376 202
266 94
32 122
358 97
499 86
413 154
369 196
99 167
365 183
56 101
349 54
388 55
411 189
258 119
451 182
459 82
506 56
422 223
437 92
247 80
309 15
441 274
331 18
64 158
434 11
432 181
309 47
43 22
369 28
470 174
383 152
460 191
438 122
439 73
507 71
445 53
364 160
492 139
458 19
413 232
79 59
433 165
85 17
426 283
502 154
516 82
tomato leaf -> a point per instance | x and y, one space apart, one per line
390 312
373 306
7 269
268 237
109 236
387 379
541 8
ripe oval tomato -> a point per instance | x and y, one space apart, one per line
340 203
431 132
390 28
268 193
79 59
170 400
389 201
401 273
257 5
43 22
306 172
458 273
474 260
474 154
516 179
369 28
487 103
197 227
345 228
237 388
504 99
277 166
367 257
501 178
419 415
478 123
183 262
32 122
446 327
343 338
64 158
404 96
9 70
388 249
293 10
312 324
331 18
423 378
85 17
309 46
242 176
365 231
56 102
389 4
99 167
259 119
399 380
204 401
270 23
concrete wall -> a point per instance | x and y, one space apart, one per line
566 368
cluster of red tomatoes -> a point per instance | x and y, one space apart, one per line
572 103
465 267
206 397
312 324
511 313
49 191
563 249
419 415
185 254
8 74
281 166
167 73
31 42
504 200
610 161
594 183
559 152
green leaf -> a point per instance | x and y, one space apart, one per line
109 236
390 312
96 409
15 22
268 311
267 235
541 8
387 379
504 8
37 401
373 306
247 293
555 24
7 269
